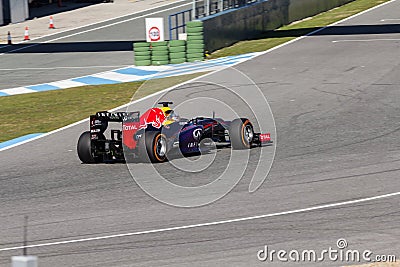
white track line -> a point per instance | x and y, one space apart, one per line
366 40
390 19
72 67
165 90
191 226
96 28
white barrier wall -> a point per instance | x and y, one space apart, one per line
1 13
19 10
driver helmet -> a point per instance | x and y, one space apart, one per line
170 116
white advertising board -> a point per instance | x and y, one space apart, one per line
154 29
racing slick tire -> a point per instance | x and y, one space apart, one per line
143 53
195 45
194 51
177 55
160 62
161 43
174 43
85 150
192 30
241 133
143 62
141 44
159 53
141 49
153 147
160 48
159 58
177 60
140 58
177 49
195 59
195 39
194 23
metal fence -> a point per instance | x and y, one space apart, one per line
177 23
201 9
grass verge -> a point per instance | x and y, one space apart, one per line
46 111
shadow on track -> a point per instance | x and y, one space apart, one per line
114 46
334 30
106 46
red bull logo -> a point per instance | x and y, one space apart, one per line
154 116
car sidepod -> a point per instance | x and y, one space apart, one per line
189 139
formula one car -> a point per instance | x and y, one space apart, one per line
150 136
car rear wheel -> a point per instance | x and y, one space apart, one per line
84 148
153 147
241 133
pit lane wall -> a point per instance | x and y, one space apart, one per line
226 28
1 13
13 11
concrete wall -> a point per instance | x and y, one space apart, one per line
229 27
1 13
19 10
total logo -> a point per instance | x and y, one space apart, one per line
129 127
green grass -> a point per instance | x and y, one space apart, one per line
286 33
46 111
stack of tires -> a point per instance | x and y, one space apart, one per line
195 41
142 54
159 53
177 51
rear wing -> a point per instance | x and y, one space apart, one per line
99 121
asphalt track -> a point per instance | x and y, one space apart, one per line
334 96
78 52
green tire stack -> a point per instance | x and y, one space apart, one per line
195 41
159 53
177 51
142 54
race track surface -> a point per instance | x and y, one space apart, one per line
334 97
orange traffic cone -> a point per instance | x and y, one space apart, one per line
9 40
51 23
26 35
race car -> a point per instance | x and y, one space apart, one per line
158 131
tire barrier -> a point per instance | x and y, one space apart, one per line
195 41
142 54
174 51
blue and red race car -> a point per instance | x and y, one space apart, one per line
152 135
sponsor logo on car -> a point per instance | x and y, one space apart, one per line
193 144
129 127
197 134
154 116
